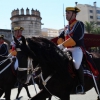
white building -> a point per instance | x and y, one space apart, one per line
89 13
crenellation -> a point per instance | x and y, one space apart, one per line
27 12
22 11
32 12
14 12
17 11
30 22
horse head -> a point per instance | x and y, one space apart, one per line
50 57
23 54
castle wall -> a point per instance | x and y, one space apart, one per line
30 22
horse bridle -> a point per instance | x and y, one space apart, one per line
3 61
30 65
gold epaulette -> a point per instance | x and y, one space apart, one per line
13 52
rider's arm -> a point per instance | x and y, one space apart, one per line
78 34
61 38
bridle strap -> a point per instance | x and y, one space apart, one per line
44 82
22 69
18 49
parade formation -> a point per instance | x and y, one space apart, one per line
60 67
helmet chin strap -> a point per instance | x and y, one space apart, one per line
71 17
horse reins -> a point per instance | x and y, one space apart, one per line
44 82
3 61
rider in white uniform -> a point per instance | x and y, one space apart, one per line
72 39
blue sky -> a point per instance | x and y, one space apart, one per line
51 10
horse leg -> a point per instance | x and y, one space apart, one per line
26 87
42 95
66 97
1 92
49 98
19 90
98 86
98 98
7 90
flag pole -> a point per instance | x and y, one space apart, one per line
63 16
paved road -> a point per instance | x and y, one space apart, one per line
90 95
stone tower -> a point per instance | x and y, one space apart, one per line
31 22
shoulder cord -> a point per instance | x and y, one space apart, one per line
74 28
68 31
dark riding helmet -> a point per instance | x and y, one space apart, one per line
73 9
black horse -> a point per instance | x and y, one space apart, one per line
7 77
20 86
21 56
58 74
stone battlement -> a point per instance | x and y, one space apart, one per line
23 12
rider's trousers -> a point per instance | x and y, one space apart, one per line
77 55
16 62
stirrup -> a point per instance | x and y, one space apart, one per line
81 91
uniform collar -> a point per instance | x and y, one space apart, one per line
70 22
19 38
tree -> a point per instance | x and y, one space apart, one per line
89 26
96 30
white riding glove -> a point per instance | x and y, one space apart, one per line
60 46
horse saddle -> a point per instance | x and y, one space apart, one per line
87 64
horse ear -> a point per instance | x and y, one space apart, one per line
23 40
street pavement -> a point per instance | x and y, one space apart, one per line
90 95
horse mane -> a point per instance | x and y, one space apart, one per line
48 54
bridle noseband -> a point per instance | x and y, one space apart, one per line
30 65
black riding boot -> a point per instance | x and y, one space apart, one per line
80 87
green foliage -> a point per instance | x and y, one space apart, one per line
89 26
96 30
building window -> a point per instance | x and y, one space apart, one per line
98 11
98 23
91 17
98 17
91 11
